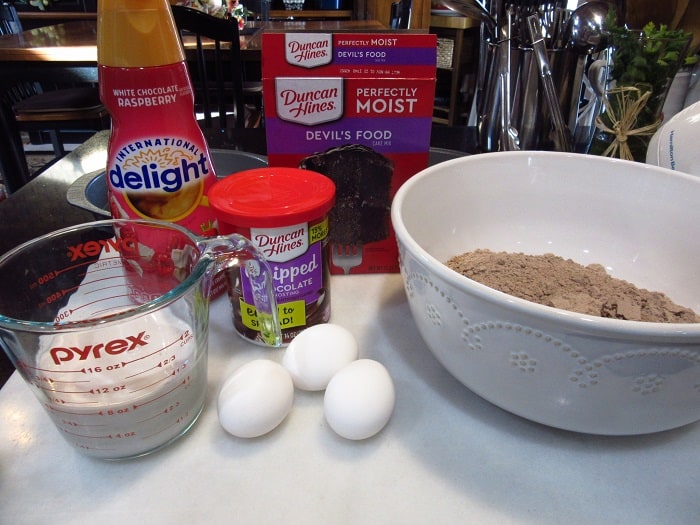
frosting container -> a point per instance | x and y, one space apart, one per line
284 212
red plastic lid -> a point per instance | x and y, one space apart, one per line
272 197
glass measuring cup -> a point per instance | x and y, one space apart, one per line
108 324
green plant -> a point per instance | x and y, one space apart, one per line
644 63
651 56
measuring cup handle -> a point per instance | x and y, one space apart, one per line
233 250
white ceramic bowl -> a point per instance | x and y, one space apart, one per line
563 369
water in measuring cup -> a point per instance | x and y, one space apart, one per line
127 388
122 393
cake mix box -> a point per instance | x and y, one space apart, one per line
356 107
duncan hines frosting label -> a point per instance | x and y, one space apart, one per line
282 244
297 272
356 107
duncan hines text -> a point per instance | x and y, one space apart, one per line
281 244
316 49
308 50
309 101
313 101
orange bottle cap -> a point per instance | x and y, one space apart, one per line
137 33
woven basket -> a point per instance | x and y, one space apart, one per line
445 50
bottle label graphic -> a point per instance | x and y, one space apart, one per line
157 168
158 163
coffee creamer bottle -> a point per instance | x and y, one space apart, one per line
158 164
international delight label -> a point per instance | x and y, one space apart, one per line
358 108
158 165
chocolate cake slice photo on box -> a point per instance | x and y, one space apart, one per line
362 178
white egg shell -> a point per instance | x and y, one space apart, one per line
359 399
255 399
317 353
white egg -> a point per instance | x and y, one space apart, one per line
317 353
359 399
255 399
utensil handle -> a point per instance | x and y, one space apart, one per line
562 137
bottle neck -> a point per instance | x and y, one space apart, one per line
137 33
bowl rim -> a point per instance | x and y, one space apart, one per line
571 320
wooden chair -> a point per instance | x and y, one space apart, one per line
217 69
9 23
39 109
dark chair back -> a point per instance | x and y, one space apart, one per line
39 109
217 70
400 17
10 23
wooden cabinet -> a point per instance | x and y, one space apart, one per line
381 10
84 6
312 14
457 59
57 13
313 9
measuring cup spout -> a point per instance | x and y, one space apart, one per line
233 250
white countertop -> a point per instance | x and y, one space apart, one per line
446 456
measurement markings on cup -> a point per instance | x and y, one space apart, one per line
107 352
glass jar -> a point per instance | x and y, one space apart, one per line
640 75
